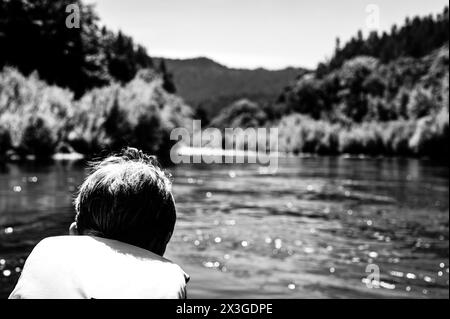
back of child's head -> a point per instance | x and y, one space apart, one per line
127 197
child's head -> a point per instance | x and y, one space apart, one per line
127 197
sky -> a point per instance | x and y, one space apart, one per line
254 33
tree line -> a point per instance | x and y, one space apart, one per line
416 38
38 120
83 89
364 100
34 37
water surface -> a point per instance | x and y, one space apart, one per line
309 231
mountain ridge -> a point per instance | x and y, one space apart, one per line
211 86
220 64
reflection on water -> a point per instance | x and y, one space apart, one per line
308 231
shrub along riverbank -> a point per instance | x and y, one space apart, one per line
38 119
425 137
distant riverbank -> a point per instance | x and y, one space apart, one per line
206 152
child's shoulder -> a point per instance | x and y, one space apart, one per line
97 248
91 245
80 266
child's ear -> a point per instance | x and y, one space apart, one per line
169 235
73 230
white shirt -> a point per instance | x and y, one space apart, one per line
92 267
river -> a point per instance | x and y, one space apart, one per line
317 228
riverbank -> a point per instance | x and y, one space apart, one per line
215 152
31 158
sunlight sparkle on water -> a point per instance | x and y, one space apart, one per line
211 264
396 274
32 179
278 243
386 285
373 254
428 279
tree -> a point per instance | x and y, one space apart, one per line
38 139
168 84
418 37
117 127
148 133
34 37
5 141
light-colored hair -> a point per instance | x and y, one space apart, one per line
127 197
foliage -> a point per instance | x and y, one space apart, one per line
243 113
416 38
426 137
38 119
34 37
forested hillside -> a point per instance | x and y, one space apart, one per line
86 90
364 101
34 37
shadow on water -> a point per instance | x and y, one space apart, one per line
310 230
